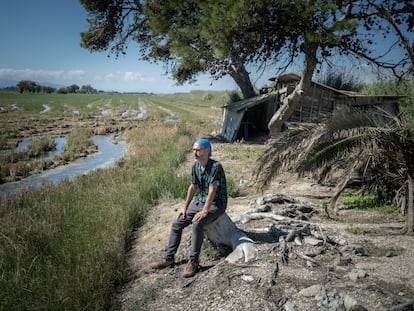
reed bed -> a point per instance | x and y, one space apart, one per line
62 247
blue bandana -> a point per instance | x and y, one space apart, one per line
206 144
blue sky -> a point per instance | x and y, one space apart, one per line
41 42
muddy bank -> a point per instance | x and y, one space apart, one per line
59 126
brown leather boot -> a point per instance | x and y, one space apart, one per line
191 268
161 264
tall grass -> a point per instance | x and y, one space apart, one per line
396 87
62 247
40 145
78 143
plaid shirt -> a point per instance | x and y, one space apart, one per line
213 175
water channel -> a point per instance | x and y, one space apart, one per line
108 153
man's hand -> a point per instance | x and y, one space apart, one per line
200 215
181 213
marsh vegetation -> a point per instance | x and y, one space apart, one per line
63 245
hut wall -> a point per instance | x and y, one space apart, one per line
371 104
321 102
231 123
316 105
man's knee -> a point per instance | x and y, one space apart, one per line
177 225
198 226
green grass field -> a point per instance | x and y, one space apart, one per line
22 105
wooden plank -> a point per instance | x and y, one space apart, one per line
251 102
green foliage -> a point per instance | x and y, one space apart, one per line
234 97
28 86
141 296
396 87
226 37
208 97
269 259
232 188
239 151
375 202
210 250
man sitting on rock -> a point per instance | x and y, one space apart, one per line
208 176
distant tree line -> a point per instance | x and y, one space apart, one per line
84 89
28 86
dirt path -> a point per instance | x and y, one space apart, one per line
370 271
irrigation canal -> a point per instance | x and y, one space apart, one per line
108 153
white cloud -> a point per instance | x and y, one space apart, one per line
74 75
137 76
118 76
132 76
41 75
106 77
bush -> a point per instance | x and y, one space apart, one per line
232 189
234 97
396 87
208 97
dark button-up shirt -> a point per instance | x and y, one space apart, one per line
213 175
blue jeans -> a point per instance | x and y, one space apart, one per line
197 234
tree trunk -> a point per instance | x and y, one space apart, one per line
242 78
409 217
290 102
409 220
340 187
223 231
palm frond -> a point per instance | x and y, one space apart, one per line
282 154
370 142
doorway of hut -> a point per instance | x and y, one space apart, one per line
254 124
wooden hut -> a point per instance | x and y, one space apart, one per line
249 118
320 102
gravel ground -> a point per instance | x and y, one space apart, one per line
373 270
